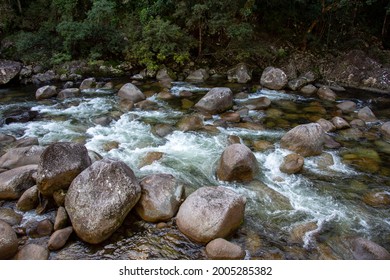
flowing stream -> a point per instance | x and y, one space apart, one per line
310 215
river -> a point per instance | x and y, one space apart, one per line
310 215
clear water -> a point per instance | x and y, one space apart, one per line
328 196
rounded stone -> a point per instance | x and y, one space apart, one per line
221 249
8 241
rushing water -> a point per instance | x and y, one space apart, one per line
325 198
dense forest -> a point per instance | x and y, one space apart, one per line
154 32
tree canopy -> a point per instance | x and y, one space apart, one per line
154 32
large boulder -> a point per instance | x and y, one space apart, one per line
221 249
18 157
160 199
306 139
60 163
8 70
99 199
210 213
32 252
273 78
199 75
241 74
8 241
131 92
15 181
237 163
216 101
46 92
364 249
88 83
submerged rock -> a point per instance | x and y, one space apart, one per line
60 163
221 249
210 213
306 140
237 163
273 78
347 106
160 199
216 101
99 199
377 199
190 123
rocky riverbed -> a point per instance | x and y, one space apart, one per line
282 169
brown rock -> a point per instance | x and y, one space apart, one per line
59 197
59 238
18 157
10 216
326 125
326 93
231 117
364 249
292 163
216 101
8 241
29 199
340 123
306 139
150 158
377 199
237 163
15 181
210 213
32 252
61 220
347 106
160 199
365 114
190 123
221 249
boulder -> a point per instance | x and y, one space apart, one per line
46 92
292 163
29 199
216 101
308 90
88 83
340 123
210 213
59 238
326 125
364 249
18 157
306 139
8 241
385 130
241 74
273 78
10 216
326 93
68 93
301 81
199 75
8 70
61 220
131 92
26 142
366 115
347 107
237 163
15 181
221 249
60 163
99 199
32 252
160 199
190 123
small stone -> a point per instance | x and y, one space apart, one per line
221 249
340 123
59 238
377 199
32 252
347 106
29 199
365 114
326 93
292 163
10 216
150 158
61 220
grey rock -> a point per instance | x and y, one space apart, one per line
241 74
46 92
273 78
8 70
221 249
216 101
32 252
18 157
15 181
131 92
